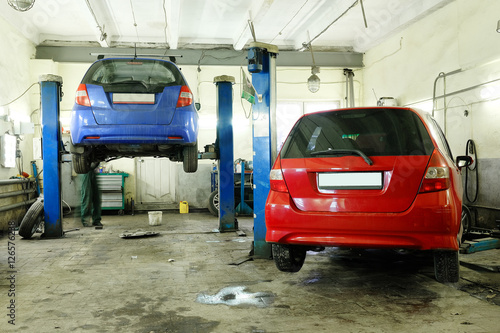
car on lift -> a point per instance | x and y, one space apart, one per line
133 107
374 177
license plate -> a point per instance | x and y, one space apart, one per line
133 98
350 181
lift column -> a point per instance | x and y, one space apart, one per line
262 65
227 220
50 87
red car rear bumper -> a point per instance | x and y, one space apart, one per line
431 222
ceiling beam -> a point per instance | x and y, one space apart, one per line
173 12
96 17
219 57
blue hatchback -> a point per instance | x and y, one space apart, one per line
131 108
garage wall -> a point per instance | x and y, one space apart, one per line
14 80
458 38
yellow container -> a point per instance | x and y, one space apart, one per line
184 207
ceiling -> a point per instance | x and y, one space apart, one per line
330 25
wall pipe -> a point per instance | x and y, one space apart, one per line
13 194
15 181
16 205
445 94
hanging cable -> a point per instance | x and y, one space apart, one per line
305 45
20 95
290 21
135 22
166 24
470 148
101 28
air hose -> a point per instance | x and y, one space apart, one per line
470 148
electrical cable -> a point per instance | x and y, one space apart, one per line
304 45
135 23
470 148
166 25
290 21
101 28
20 95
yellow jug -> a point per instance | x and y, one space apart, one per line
183 207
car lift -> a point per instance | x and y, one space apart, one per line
225 162
50 89
262 65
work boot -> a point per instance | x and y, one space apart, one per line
97 224
85 224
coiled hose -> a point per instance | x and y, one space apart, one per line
470 148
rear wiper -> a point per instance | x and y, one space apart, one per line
344 152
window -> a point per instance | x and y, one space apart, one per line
375 132
287 113
138 75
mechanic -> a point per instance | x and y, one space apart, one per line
91 199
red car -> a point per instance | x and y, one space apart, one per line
374 177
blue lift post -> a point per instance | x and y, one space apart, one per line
50 87
262 65
227 217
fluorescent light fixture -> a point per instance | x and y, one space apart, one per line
498 26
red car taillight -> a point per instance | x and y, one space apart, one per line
185 97
276 178
437 175
82 96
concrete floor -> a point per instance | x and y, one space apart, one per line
182 281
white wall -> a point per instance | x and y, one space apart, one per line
14 80
459 37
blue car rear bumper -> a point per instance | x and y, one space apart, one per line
183 130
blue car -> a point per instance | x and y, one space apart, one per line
131 108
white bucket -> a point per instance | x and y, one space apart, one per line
155 218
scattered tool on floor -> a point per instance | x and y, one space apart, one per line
138 233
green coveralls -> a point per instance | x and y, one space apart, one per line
91 198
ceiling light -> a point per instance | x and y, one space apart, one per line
313 80
21 5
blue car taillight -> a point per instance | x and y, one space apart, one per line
185 97
82 96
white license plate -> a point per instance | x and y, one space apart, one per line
133 98
350 181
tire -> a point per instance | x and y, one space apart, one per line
289 258
81 163
32 220
446 266
213 203
190 158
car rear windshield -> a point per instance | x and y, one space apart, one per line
133 75
374 132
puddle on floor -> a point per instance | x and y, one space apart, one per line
237 296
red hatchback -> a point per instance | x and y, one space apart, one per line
366 177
